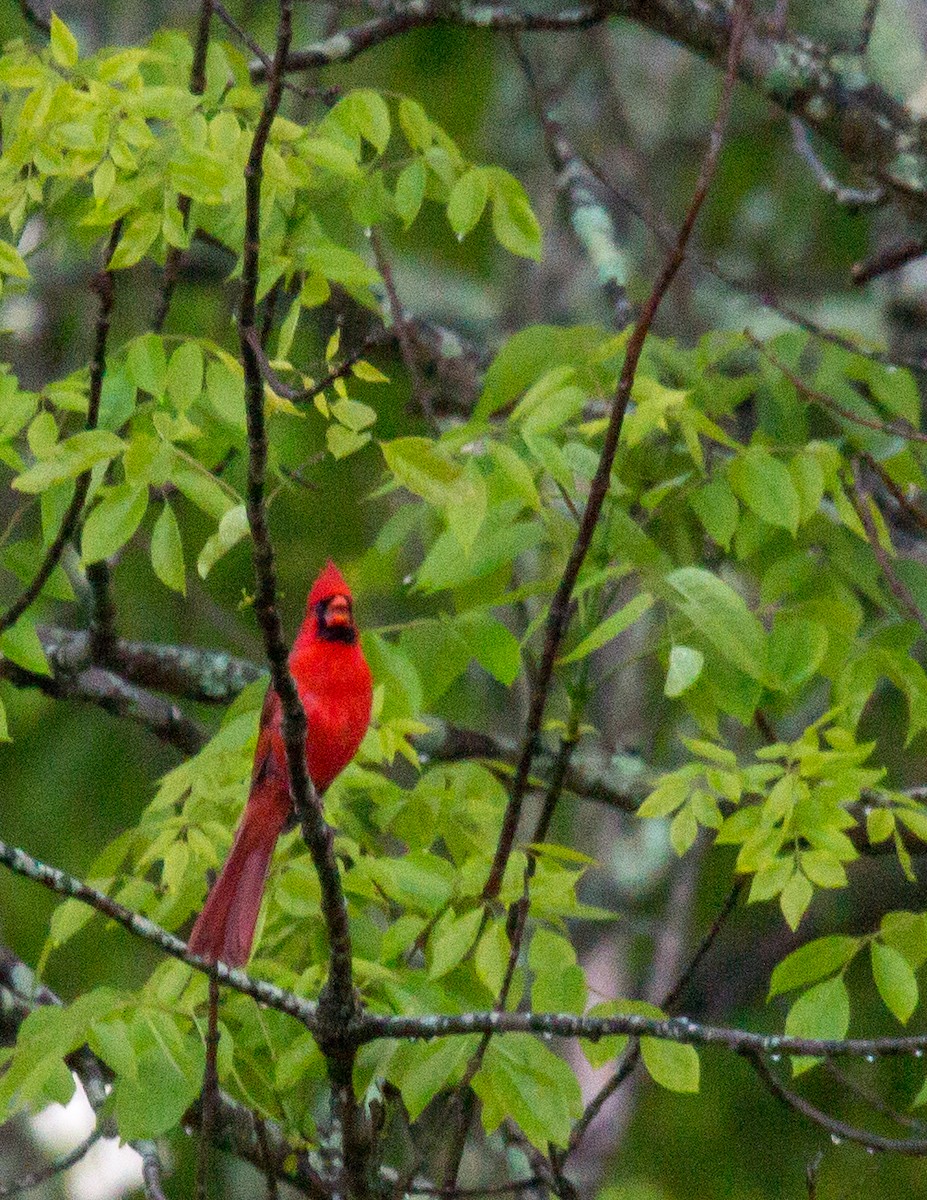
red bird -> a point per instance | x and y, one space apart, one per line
334 685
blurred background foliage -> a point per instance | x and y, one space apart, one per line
639 106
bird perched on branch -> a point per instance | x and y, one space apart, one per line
334 686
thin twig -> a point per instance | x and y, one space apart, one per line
839 1131
102 284
559 614
175 255
893 428
860 500
867 25
34 1179
887 260
849 197
669 1005
210 1092
912 510
420 392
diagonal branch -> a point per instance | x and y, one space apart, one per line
56 880
103 286
839 1131
559 615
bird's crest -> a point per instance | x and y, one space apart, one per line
329 583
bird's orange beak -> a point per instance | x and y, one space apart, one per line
338 612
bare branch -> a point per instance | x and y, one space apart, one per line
197 87
849 197
839 1131
34 1179
888 260
590 220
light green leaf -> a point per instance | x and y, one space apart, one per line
112 522
813 961
685 666
450 939
673 1065
422 468
167 551
895 980
410 191
232 528
468 200
63 43
21 645
795 898
137 238
342 441
716 507
722 616
764 484
11 262
514 224
611 627
185 375
823 1012
146 364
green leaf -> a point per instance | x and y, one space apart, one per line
450 939
421 1072
146 364
895 980
410 191
232 528
611 627
492 956
11 263
185 375
722 616
823 1012
201 488
520 1078
366 113
514 224
813 961
422 468
685 666
716 507
796 649
21 645
525 357
137 238
342 441
112 522
764 484
468 200
63 43
493 645
167 551
795 898
169 1074
415 124
672 1065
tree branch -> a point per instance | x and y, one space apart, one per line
839 1131
558 617
102 284
56 880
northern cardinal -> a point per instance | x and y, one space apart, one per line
334 685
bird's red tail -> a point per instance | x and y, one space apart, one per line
224 930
